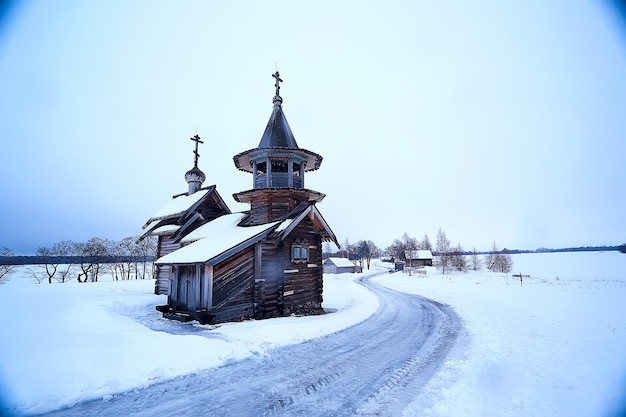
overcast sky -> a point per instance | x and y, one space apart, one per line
493 120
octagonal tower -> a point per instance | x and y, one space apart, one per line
278 167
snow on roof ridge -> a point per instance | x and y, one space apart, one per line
419 254
341 261
177 205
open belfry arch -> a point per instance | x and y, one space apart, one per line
218 266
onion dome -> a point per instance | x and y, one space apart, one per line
195 177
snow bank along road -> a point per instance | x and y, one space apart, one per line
373 368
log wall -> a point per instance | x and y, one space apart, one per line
164 272
284 287
302 290
233 287
267 205
269 303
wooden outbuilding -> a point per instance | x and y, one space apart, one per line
219 266
418 258
340 266
399 265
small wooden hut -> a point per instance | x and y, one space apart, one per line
418 258
340 266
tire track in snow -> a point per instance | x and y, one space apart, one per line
374 368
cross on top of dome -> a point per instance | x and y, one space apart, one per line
276 75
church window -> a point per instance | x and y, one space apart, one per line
300 251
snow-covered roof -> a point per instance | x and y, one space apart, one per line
216 238
418 254
341 262
211 228
177 206
165 230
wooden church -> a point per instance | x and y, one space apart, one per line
218 266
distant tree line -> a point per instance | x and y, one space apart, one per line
86 261
621 248
447 257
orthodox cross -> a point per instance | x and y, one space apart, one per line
278 81
197 140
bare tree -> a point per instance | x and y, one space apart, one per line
443 250
48 268
396 249
458 259
5 270
364 253
53 258
128 252
374 249
116 267
326 250
80 250
93 255
97 249
354 252
498 261
148 251
63 249
425 244
400 247
506 263
490 257
366 250
410 243
475 260
37 275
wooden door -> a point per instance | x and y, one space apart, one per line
186 282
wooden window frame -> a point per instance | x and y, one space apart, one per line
300 251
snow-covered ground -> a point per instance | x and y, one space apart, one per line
554 346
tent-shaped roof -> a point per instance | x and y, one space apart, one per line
278 133
277 139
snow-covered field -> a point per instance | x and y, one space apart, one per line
554 346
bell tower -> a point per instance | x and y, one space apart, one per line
278 167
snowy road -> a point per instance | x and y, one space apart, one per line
373 368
